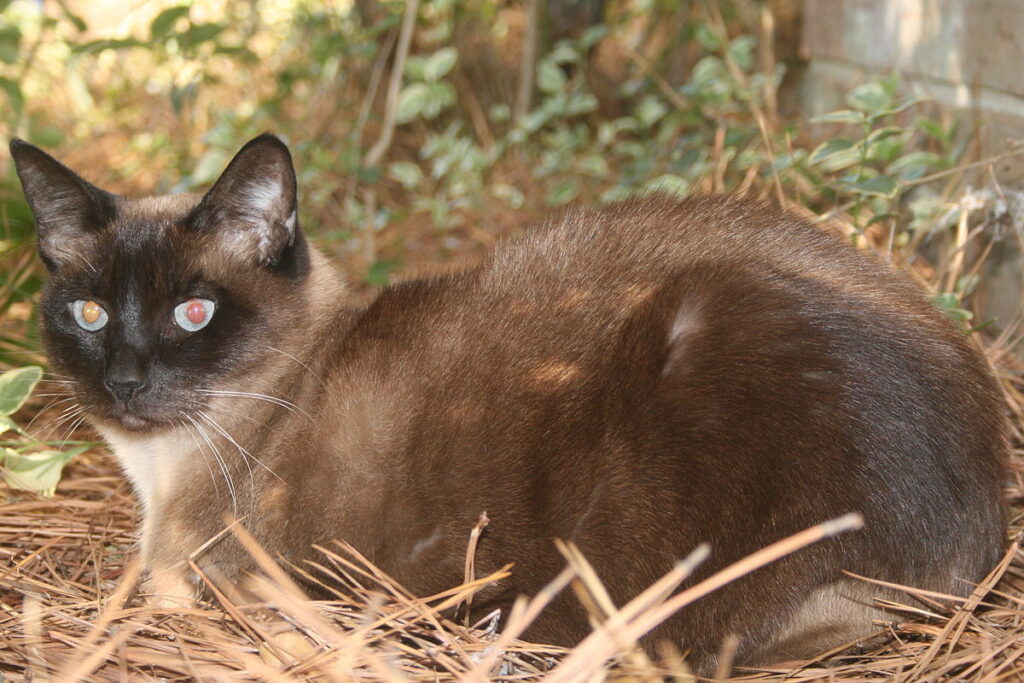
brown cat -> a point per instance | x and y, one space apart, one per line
637 379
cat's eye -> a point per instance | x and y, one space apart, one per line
89 315
194 314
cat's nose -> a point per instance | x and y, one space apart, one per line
123 389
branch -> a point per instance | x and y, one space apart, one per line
380 148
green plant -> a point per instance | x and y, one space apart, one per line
28 463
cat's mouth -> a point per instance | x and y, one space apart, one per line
135 422
137 417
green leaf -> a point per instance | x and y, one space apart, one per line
439 64
380 272
870 98
79 23
10 40
741 49
827 149
882 186
840 116
199 33
880 134
933 129
439 96
878 218
16 386
550 77
416 67
411 102
406 173
594 165
562 193
966 285
592 35
650 110
949 303
915 164
14 95
38 472
580 103
165 21
669 183
95 46
8 425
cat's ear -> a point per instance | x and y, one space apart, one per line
69 211
252 207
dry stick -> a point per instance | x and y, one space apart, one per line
958 255
592 593
737 73
767 48
651 72
959 621
376 153
380 148
298 603
599 646
1019 149
367 105
470 572
523 614
76 670
528 63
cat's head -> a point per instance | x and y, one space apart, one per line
151 302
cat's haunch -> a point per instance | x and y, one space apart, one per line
637 379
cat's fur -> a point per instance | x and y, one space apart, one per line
637 379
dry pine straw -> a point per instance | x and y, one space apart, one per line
67 611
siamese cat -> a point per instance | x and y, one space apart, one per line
636 379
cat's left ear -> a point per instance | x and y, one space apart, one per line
252 206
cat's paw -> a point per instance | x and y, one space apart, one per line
169 589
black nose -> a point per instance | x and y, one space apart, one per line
123 390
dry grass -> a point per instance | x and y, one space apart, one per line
68 612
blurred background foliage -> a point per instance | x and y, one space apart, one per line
423 130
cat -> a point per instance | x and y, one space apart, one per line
636 379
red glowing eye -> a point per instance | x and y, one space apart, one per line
195 312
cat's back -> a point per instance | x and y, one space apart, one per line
657 374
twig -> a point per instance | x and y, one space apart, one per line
528 63
387 133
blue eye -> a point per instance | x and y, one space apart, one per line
194 314
89 315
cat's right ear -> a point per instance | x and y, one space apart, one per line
68 210
252 206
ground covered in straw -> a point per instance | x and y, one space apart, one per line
68 613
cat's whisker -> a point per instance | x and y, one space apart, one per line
235 415
283 403
69 414
220 461
52 404
202 452
213 423
48 377
291 357
244 453
71 429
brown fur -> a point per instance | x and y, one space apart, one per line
638 380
